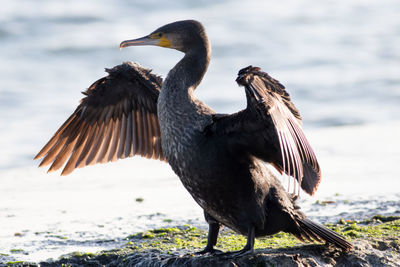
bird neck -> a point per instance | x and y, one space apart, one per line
187 74
195 62
179 112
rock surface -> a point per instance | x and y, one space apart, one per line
365 253
376 243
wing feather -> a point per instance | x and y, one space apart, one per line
139 130
55 138
128 136
70 166
150 135
156 131
64 154
62 139
270 129
81 162
105 148
144 134
115 140
134 149
117 118
97 143
121 146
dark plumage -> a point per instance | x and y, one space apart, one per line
220 158
113 121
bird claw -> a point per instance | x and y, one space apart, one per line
210 251
235 254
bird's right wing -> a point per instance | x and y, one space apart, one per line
116 119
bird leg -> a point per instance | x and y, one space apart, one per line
250 240
213 230
248 248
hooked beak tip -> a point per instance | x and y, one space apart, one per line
123 44
138 42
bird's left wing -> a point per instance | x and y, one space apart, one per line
270 129
117 118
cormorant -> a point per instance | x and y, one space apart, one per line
220 158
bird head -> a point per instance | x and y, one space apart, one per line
181 35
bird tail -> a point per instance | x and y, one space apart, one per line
312 231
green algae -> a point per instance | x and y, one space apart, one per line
382 218
371 228
17 250
139 199
78 255
188 239
14 263
192 239
57 237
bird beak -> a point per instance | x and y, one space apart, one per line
140 41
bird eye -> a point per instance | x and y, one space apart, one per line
160 34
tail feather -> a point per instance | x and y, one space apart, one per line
312 237
306 235
318 232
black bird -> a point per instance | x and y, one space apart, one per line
220 158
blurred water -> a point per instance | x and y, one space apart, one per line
340 61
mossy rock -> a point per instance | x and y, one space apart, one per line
375 244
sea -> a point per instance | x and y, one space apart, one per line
339 60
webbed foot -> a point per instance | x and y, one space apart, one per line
209 250
235 254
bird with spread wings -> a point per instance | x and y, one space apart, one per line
218 157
